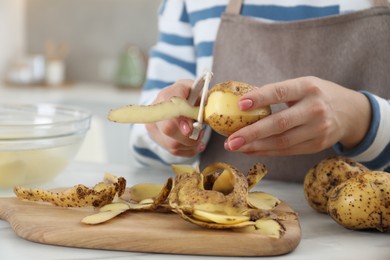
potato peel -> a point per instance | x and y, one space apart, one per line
176 107
101 217
215 198
110 211
255 174
188 191
262 200
141 191
78 196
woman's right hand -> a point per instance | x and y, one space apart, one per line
173 135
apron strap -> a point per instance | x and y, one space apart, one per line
234 6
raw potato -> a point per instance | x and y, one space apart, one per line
221 110
362 202
323 177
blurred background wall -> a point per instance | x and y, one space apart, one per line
12 31
96 32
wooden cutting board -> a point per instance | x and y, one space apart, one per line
140 232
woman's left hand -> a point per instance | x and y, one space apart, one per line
319 114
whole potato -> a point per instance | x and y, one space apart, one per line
327 174
362 202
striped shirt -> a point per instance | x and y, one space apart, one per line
187 31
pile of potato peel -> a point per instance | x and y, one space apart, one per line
349 193
219 197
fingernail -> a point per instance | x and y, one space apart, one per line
245 104
202 147
234 144
185 127
226 145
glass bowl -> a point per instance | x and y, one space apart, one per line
37 141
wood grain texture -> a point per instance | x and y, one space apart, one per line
140 232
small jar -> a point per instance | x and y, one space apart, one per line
55 72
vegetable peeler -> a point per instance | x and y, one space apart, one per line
199 87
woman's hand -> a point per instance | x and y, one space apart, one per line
173 135
319 114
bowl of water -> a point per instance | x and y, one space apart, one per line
38 141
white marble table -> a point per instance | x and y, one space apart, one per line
322 238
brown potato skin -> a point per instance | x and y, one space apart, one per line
362 202
322 178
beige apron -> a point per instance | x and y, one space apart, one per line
351 49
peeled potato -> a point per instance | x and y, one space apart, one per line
362 202
323 177
221 111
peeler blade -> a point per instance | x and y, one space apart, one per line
200 87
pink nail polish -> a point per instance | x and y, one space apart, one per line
202 147
235 143
245 104
185 128
226 145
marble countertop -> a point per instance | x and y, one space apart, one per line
78 93
322 238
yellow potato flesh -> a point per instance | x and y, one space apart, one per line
224 116
219 218
176 107
141 191
269 227
101 217
262 200
224 183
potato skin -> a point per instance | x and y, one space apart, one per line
362 202
327 174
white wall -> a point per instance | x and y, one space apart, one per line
12 32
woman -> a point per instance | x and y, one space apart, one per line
309 62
